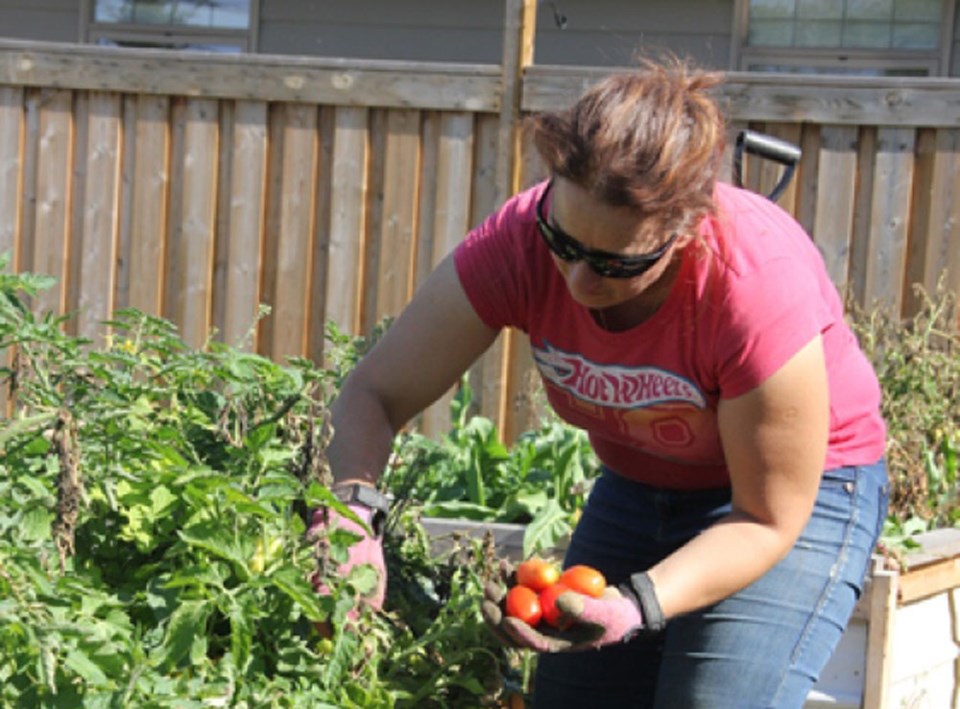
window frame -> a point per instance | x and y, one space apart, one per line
92 32
936 62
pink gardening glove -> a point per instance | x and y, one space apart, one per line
618 615
585 622
369 550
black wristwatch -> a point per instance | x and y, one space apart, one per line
369 497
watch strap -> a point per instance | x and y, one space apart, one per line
365 496
640 589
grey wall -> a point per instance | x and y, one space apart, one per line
47 20
612 32
593 32
427 30
955 49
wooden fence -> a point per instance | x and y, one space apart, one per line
197 187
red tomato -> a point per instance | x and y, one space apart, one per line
536 573
548 603
524 604
584 579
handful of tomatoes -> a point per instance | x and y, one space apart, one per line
539 582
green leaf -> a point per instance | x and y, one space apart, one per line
244 504
241 637
187 621
364 578
546 529
78 661
259 437
291 582
475 490
35 524
161 500
211 537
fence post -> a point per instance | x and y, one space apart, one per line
520 23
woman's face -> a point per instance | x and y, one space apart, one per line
616 230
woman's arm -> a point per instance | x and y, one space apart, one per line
423 353
774 440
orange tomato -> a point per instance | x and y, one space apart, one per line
537 573
584 579
548 603
524 604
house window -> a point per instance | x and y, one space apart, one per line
866 37
212 25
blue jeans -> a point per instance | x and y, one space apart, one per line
762 647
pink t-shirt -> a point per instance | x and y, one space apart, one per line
750 293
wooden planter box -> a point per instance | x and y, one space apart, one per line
901 649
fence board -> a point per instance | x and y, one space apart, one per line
150 199
296 231
246 212
11 155
890 203
75 208
455 172
937 214
395 247
197 226
51 241
319 281
171 274
128 126
373 224
836 178
427 203
808 176
347 217
860 231
271 228
98 240
294 79
221 242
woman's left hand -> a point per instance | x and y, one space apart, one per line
584 623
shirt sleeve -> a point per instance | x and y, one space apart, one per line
492 263
768 316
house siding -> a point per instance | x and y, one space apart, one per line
570 32
955 49
44 20
593 32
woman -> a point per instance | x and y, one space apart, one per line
691 328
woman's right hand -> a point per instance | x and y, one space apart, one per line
369 550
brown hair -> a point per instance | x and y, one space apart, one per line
652 140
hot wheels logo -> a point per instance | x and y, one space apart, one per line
614 385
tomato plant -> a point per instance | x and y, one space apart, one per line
537 573
584 579
523 603
153 500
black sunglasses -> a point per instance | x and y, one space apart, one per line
603 263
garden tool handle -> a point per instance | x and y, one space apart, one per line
769 148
